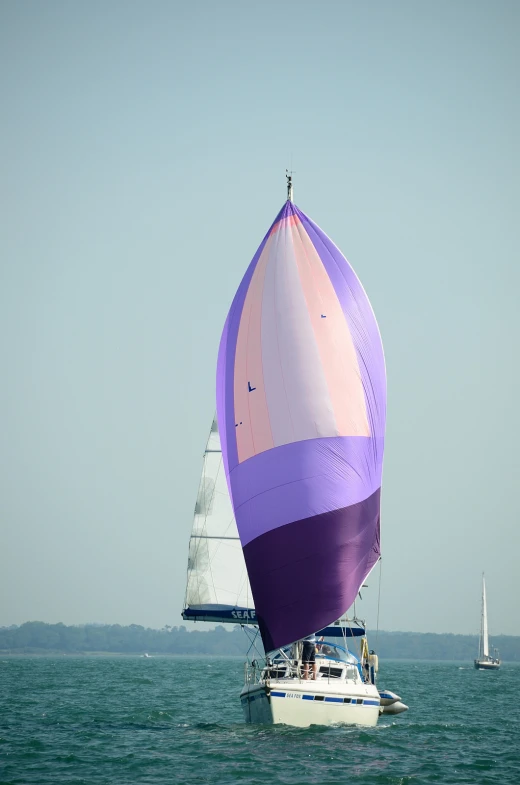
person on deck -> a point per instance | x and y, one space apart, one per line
309 656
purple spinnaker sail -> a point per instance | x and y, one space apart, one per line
301 406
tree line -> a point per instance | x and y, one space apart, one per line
37 637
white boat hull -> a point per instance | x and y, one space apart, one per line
487 665
301 703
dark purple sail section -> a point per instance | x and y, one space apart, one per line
301 405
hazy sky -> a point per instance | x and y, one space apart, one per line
143 150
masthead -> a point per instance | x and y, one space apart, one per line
288 176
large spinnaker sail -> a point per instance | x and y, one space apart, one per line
301 403
217 587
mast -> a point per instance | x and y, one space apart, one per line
485 643
288 176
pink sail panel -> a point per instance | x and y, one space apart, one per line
301 399
295 348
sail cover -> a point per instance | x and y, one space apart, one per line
301 403
217 587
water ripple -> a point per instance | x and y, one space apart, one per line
174 721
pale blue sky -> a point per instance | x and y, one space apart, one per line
143 149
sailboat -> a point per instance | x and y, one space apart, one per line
287 520
484 661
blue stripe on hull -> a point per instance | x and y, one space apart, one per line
325 698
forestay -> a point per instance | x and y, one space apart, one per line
217 586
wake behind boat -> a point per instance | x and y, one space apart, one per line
484 661
287 519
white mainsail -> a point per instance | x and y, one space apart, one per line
484 622
217 584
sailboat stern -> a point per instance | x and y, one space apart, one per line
487 664
304 703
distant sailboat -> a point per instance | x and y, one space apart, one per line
484 661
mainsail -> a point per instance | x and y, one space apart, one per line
217 586
484 638
301 403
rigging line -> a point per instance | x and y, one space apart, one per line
244 581
224 494
379 598
351 631
252 640
208 511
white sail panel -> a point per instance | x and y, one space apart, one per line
217 577
485 641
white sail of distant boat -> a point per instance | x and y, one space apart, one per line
484 632
217 587
484 661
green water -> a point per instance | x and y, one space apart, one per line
126 721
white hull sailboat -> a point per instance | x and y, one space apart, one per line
290 703
287 520
340 693
275 691
484 661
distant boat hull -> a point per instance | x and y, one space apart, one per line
304 703
487 665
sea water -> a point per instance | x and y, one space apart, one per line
164 720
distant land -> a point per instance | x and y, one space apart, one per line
37 637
